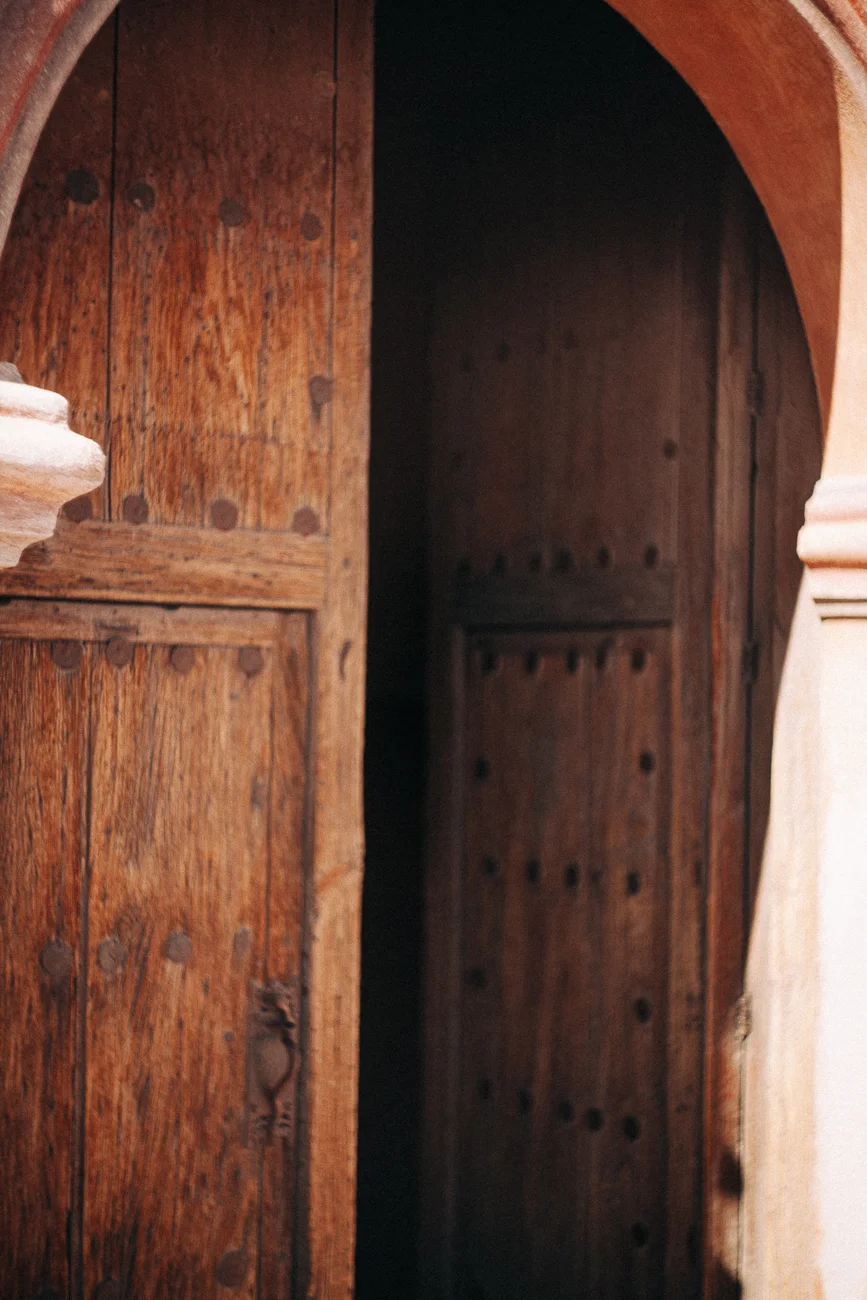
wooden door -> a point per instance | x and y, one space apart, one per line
181 665
601 582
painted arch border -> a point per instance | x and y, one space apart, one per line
786 81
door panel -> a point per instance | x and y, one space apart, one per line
573 365
221 256
186 234
183 854
43 765
562 1095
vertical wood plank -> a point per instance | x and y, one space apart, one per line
335 900
42 777
727 862
288 860
221 267
177 885
692 461
54 272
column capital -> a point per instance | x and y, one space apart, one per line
43 464
833 545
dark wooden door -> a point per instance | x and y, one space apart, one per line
172 661
599 588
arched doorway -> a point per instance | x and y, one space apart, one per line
33 75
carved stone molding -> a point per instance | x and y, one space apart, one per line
833 545
43 464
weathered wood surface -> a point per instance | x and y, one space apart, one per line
585 598
564 975
573 418
340 648
177 886
192 310
202 566
220 387
43 777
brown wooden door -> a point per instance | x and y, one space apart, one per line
605 308
180 830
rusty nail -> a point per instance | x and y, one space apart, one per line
182 658
79 509
251 660
224 514
231 212
111 955
669 449
10 374
633 883
642 1009
311 226
56 959
66 654
119 651
631 1128
651 555
232 1270
141 196
135 508
273 1061
82 186
321 389
178 947
305 521
647 762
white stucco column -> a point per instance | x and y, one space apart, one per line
833 545
43 464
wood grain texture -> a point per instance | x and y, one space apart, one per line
691 728
563 1107
573 414
137 624
120 561
338 845
728 832
42 811
221 294
288 870
179 845
586 598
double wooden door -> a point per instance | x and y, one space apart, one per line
181 670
